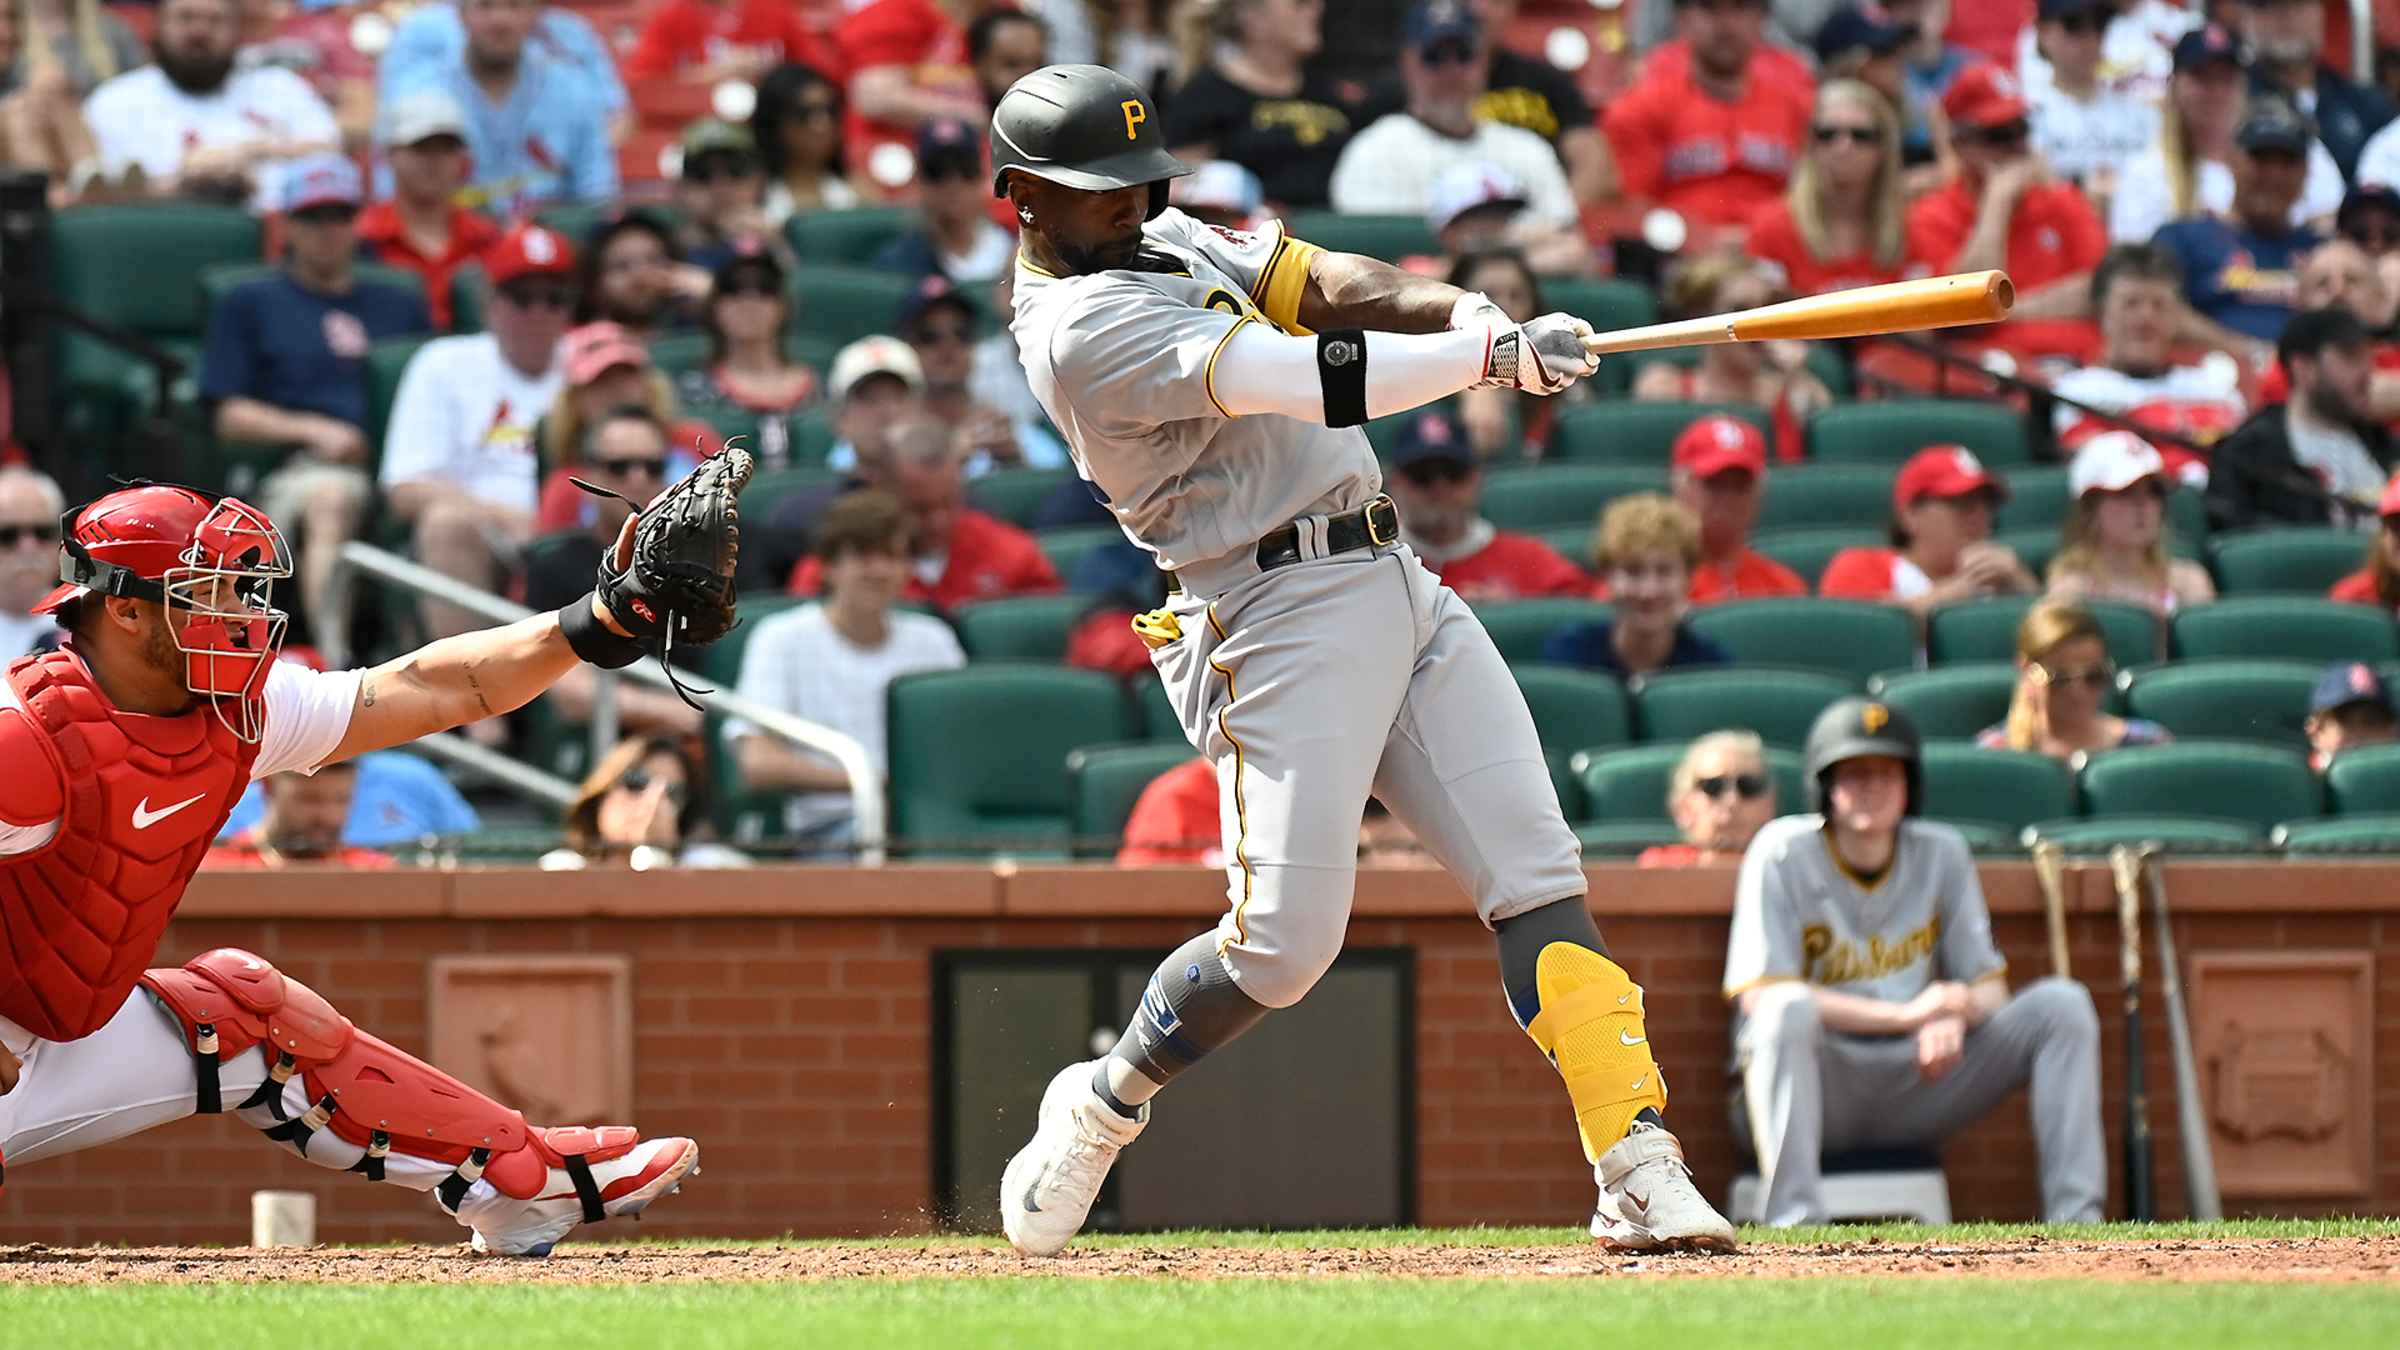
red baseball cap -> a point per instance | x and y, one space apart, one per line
596 348
2390 505
1943 471
1715 443
1985 96
528 250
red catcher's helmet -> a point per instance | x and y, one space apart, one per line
211 561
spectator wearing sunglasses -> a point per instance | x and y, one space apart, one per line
420 225
641 807
30 505
722 191
2063 674
1715 136
707 42
797 127
2113 545
606 370
2240 270
1865 46
1842 221
460 464
939 323
2006 210
1439 487
1392 167
2083 126
285 364
955 238
2286 39
1645 552
1718 797
1719 467
1255 96
2350 707
752 386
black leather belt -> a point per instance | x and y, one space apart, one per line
1375 525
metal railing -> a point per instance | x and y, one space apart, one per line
866 782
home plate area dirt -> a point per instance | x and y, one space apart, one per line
2345 1260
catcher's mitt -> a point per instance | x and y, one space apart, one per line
676 588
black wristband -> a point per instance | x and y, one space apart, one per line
1342 374
591 639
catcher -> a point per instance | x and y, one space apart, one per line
126 750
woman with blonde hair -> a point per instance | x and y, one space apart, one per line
2114 543
2063 673
638 808
2190 171
1768 375
1841 222
1646 549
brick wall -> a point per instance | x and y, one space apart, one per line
783 1018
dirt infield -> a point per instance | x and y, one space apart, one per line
2345 1260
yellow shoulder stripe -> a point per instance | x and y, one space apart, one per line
1282 281
1208 376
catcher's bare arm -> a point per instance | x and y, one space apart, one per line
459 679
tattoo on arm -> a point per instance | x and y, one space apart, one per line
477 686
366 692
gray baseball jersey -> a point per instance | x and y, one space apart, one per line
1121 361
1799 914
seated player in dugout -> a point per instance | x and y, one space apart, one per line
1871 1009
1212 384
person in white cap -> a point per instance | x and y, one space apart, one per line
875 384
1478 205
2114 544
419 223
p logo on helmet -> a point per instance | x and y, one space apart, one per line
1135 115
1873 717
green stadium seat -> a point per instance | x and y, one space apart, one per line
1578 544
1625 838
1016 495
746 817
1390 238
2239 700
1676 705
1824 361
1983 837
1520 627
979 755
387 361
1856 637
2034 547
136 267
469 292
2226 779
852 237
1807 549
1629 783
1020 627
844 304
1889 432
2005 789
2037 498
2174 834
1103 783
1563 494
1563 784
1826 496
1986 630
1621 431
2344 834
767 490
1067 548
1573 708
678 352
2364 780
2306 560
1606 303
2308 628
1154 712
1953 702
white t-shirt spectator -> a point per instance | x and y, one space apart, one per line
2142 203
2081 139
463 415
308 713
2379 162
2114 391
798 662
2137 54
140 117
1389 168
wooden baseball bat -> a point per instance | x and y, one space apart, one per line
1899 307
2049 868
2200 1191
2125 868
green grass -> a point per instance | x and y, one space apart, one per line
1841 1314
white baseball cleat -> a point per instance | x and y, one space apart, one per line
1048 1188
1648 1201
626 1179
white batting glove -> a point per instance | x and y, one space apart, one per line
1542 356
1476 310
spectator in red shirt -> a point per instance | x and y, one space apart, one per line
910 67
1842 221
2005 211
303 824
1770 376
2377 580
1942 543
1712 137
1720 466
1719 794
421 226
1175 821
709 41
957 554
1439 487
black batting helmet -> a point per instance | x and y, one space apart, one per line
1858 728
1084 127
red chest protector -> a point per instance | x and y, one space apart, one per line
138 799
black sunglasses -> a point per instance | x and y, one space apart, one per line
13 535
325 215
948 167
639 780
1447 52
761 286
2090 677
538 296
2082 25
813 109
1855 135
1435 472
711 168
644 465
2006 134
1749 786
933 335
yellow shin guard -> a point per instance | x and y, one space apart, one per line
1591 1027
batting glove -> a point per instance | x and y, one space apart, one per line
1542 356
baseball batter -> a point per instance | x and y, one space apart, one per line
1212 385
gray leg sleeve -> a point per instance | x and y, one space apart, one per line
1190 1007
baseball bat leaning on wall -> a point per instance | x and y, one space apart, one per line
2191 1115
2125 868
2049 868
1900 307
